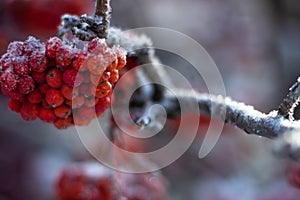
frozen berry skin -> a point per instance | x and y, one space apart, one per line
69 92
72 78
54 78
64 56
47 115
14 105
63 111
26 84
9 81
54 97
38 61
39 77
20 64
35 96
52 45
29 111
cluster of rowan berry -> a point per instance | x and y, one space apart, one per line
93 181
57 81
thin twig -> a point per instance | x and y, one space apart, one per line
290 102
103 11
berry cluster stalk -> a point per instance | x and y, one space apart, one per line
103 10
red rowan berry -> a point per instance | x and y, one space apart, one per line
63 123
38 62
90 101
105 76
114 76
39 77
14 105
72 77
35 96
85 90
96 64
9 81
52 45
77 102
97 46
64 56
47 115
85 113
54 78
21 65
63 111
16 96
26 84
54 97
102 105
69 92
44 88
46 105
103 89
30 111
79 59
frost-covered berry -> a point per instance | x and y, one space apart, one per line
20 64
64 56
26 84
38 61
51 46
9 81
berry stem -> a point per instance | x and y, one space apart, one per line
103 10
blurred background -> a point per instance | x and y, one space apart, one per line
256 46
